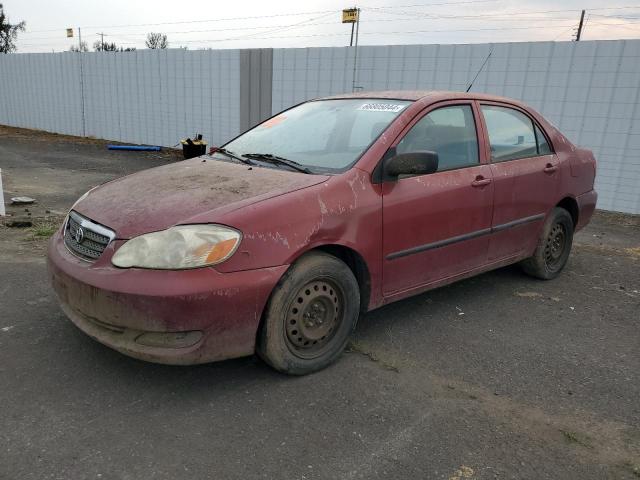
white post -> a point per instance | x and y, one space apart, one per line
2 211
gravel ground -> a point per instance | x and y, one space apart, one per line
498 376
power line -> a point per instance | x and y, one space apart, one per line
402 32
563 32
419 5
615 17
485 15
462 2
275 29
382 10
194 21
304 24
622 25
266 31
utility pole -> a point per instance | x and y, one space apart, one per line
84 123
101 41
350 15
355 53
351 41
579 33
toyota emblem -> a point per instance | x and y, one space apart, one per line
79 236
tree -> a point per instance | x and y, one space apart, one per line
99 46
9 33
157 40
81 48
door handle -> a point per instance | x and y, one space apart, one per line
480 181
550 168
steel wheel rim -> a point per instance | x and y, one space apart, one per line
555 245
314 317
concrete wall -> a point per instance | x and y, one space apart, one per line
590 90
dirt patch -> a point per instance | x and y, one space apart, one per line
586 436
617 219
364 350
41 136
30 242
634 252
631 252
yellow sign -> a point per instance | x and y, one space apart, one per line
350 15
69 32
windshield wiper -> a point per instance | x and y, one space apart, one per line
270 158
230 154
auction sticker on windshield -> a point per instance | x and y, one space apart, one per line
272 122
382 107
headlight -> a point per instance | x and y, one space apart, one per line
181 247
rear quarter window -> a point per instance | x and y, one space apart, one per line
543 144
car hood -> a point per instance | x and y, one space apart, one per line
161 197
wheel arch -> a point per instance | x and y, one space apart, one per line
570 205
353 259
356 264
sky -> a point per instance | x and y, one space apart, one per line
197 24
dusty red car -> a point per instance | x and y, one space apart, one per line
277 242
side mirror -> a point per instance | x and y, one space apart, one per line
414 163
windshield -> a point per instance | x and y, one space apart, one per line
324 135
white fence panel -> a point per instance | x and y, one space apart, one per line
590 90
148 96
41 91
160 96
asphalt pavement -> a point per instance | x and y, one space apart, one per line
498 376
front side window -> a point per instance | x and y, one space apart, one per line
325 135
511 134
448 131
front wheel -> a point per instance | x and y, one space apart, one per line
310 315
553 248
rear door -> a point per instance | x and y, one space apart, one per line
526 179
436 226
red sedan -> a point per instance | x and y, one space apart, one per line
278 241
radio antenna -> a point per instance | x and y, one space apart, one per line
481 67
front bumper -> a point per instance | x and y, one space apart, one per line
194 316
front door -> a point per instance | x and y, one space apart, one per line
437 226
526 180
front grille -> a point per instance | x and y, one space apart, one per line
85 238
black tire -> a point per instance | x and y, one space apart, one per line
310 315
554 246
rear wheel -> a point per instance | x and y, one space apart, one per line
310 315
553 248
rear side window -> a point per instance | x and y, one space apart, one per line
448 131
513 135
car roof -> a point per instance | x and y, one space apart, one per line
430 95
